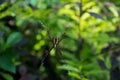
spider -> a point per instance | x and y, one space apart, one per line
55 45
55 42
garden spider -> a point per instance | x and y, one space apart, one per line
55 45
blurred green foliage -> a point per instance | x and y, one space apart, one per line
88 25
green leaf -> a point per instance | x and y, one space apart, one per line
71 62
70 56
107 62
69 68
114 11
14 38
76 75
6 63
33 2
7 76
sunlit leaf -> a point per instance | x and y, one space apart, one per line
76 75
114 11
69 68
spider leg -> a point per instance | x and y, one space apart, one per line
63 35
59 52
48 33
46 53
